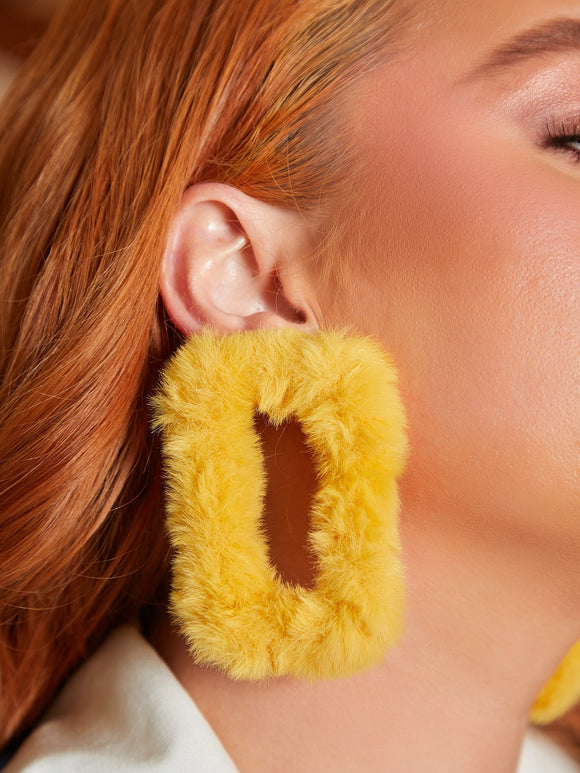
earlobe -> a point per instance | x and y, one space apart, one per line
233 263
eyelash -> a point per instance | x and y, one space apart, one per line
557 136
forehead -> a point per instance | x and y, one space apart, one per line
479 21
456 40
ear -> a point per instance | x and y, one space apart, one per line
235 263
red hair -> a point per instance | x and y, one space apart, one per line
121 107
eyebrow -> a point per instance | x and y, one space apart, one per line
548 38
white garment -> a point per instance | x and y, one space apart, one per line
540 754
125 712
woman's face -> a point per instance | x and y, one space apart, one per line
467 266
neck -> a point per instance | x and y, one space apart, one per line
486 626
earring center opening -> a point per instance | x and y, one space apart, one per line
291 486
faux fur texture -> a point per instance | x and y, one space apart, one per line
227 598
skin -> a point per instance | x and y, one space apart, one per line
470 278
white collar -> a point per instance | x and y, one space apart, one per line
124 711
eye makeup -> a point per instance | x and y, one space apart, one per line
562 135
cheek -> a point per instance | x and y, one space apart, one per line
471 281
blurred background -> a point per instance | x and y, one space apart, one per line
22 22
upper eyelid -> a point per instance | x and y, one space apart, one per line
554 87
565 128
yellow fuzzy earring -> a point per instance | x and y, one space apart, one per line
561 692
228 600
